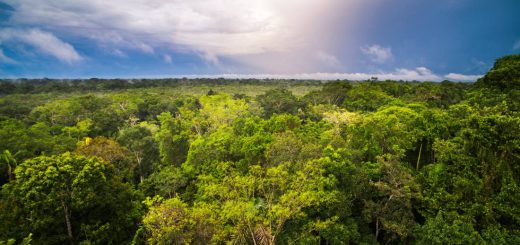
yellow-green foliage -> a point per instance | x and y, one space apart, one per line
276 162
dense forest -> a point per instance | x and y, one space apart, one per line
215 161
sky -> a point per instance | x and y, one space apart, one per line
425 40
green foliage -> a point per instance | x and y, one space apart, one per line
143 149
173 222
7 166
278 101
391 207
366 97
25 241
173 139
504 75
72 198
206 152
109 151
448 228
152 106
278 162
26 141
61 113
167 182
215 111
391 130
333 93
250 208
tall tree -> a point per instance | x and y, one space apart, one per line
143 148
278 101
73 199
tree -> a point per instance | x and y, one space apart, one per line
25 241
144 150
336 92
80 130
174 222
448 228
219 110
391 207
25 141
288 147
207 152
69 198
173 138
251 139
278 101
167 182
391 130
152 106
111 152
7 166
504 75
473 173
69 112
366 97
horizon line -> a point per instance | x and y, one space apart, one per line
408 75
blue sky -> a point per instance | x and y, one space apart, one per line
326 39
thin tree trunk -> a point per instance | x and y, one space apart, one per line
272 241
252 234
67 221
9 172
139 159
419 158
377 228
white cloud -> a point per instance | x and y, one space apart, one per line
377 53
5 59
328 59
167 58
417 74
212 28
145 48
462 77
44 42
117 52
210 58
517 45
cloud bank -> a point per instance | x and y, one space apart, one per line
462 77
44 42
213 36
213 28
417 74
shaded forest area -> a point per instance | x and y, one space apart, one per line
179 161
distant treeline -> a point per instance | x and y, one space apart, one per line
46 85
